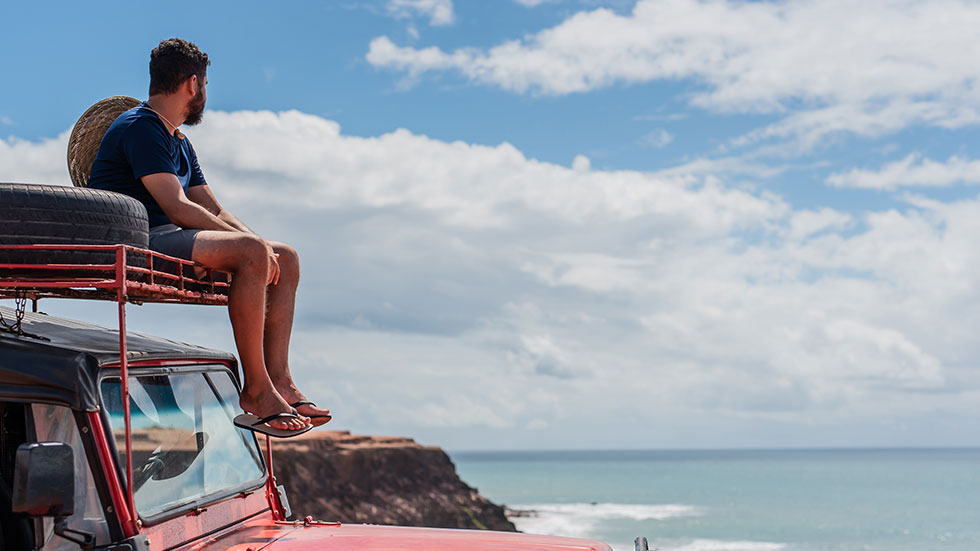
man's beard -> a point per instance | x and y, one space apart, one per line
195 110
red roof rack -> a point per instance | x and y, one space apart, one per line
159 280
162 279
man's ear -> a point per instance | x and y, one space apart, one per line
190 85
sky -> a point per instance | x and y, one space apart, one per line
575 224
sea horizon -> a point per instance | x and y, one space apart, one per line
744 499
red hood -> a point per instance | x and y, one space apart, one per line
365 537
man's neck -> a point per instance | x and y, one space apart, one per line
171 109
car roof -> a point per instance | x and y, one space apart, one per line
65 368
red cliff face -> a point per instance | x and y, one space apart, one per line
379 480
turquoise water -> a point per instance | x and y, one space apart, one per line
784 500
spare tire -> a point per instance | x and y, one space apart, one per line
62 215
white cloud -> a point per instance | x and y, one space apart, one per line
35 162
722 166
439 12
481 188
467 294
809 127
906 62
657 138
913 170
880 353
806 223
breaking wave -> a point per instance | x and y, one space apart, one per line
579 519
719 545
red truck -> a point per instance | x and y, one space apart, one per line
115 441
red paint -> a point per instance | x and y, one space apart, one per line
271 491
298 536
124 375
362 537
220 518
124 378
251 534
112 478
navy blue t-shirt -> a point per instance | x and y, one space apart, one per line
138 144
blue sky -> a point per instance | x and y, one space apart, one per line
660 223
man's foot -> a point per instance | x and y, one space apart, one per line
267 404
305 407
317 419
250 422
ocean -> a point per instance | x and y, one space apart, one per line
744 500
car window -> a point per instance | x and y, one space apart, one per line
185 446
57 424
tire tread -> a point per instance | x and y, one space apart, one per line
62 215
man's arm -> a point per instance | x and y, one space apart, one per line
202 196
166 190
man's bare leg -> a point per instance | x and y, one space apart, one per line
279 326
246 257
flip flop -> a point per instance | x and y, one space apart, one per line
252 422
316 420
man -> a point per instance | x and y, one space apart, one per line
144 155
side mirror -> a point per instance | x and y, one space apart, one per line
44 480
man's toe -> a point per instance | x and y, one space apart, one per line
309 410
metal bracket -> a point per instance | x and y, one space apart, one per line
85 540
281 490
307 522
136 543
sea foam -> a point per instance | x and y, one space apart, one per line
719 545
579 519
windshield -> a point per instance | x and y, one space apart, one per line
185 446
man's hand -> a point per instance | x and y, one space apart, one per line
202 197
273 266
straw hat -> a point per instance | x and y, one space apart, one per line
87 135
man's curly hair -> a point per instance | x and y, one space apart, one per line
174 61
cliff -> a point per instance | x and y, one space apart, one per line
337 476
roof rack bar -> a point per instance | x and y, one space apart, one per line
116 494
124 376
162 278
